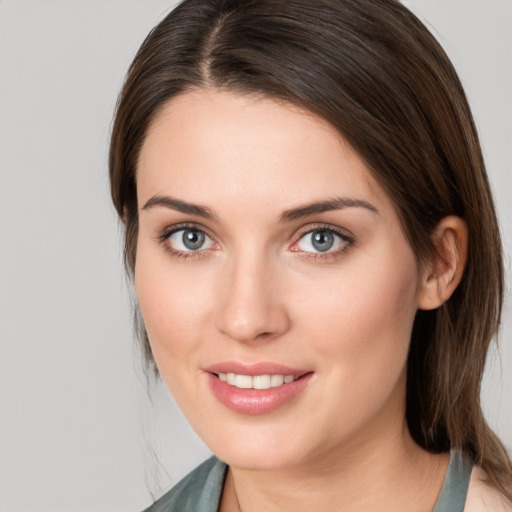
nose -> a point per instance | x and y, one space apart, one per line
252 307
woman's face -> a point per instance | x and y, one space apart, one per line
267 250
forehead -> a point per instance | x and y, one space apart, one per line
206 145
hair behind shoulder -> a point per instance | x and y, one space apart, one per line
373 70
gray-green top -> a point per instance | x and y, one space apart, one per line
201 490
455 486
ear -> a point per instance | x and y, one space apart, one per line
124 217
442 274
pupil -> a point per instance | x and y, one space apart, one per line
193 240
323 240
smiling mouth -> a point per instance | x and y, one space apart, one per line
262 391
256 381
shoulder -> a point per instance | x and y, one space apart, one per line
200 490
482 497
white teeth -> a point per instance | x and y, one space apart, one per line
261 381
276 380
243 381
256 382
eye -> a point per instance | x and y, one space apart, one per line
189 240
322 240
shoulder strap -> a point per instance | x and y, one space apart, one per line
455 486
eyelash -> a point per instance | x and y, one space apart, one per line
349 242
182 255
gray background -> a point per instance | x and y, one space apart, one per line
77 431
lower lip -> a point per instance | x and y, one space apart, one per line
256 401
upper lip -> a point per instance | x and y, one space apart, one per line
252 369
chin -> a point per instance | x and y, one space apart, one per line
258 449
257 459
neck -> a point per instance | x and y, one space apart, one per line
382 473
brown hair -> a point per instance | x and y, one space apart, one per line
373 70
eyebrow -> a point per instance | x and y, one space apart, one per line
338 203
180 206
300 212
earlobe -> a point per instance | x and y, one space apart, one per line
443 273
124 218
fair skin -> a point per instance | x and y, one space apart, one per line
232 269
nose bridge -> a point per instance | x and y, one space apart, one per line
252 308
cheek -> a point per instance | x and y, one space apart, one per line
375 292
173 305
362 320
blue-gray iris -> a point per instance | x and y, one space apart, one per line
193 239
322 240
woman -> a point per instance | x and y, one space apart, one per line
316 256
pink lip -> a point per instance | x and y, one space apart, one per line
263 368
255 401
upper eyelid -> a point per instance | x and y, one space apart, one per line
343 232
169 230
